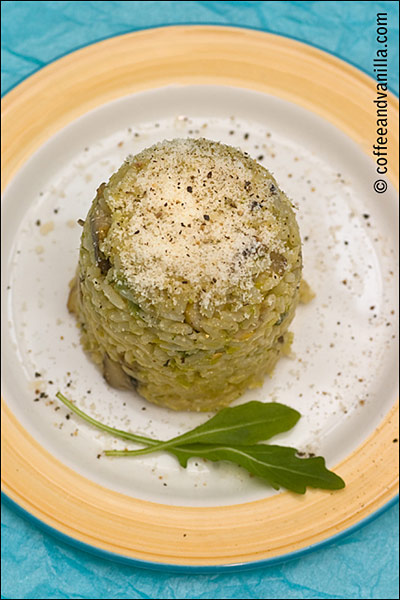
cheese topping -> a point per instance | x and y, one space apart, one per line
195 213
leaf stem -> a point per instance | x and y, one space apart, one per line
126 435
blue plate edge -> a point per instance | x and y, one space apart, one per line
193 569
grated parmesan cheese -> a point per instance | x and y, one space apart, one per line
199 214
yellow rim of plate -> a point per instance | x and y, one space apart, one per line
58 94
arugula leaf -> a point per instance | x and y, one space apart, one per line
125 435
232 435
238 426
280 467
277 465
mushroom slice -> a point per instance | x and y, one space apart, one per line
100 223
115 375
73 296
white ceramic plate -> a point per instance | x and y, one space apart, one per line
283 102
342 376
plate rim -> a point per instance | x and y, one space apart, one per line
33 80
202 24
352 71
193 569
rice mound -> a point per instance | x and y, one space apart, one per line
189 274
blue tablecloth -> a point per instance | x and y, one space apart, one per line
35 565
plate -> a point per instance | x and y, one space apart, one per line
283 102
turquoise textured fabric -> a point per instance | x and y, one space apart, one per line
36 565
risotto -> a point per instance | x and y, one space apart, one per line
189 275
